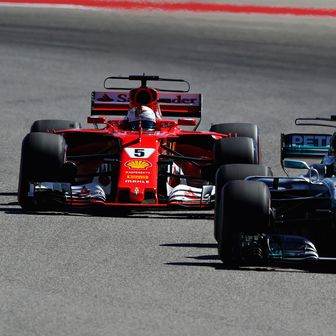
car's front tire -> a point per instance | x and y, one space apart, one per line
42 159
244 208
231 172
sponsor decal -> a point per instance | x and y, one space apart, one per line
139 172
137 177
310 140
166 98
179 100
112 97
122 98
105 98
138 164
137 181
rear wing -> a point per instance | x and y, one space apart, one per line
172 104
304 145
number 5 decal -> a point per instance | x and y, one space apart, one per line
139 152
144 153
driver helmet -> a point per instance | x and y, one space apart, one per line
144 114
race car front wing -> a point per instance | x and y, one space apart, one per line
93 193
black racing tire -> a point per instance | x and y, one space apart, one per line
46 125
42 159
242 130
230 172
244 208
234 150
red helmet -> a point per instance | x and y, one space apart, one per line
143 114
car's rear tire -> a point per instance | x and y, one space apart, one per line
46 125
231 172
242 130
42 159
244 208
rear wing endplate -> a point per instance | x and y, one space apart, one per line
171 104
304 145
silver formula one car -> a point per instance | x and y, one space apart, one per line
261 219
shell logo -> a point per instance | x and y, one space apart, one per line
138 164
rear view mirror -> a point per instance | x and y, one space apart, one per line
295 164
186 122
96 120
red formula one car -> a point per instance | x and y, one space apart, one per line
141 157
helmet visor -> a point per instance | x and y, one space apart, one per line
145 124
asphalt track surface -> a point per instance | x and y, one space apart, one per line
154 273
